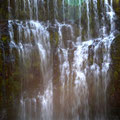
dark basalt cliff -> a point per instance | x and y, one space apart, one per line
114 86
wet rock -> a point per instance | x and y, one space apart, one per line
3 10
116 6
114 87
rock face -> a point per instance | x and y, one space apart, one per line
114 88
116 6
3 10
7 82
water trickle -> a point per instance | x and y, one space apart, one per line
73 85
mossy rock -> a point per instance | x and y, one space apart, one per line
3 10
54 38
114 86
115 56
115 49
116 6
4 38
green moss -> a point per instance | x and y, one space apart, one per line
4 38
51 37
116 74
54 38
91 60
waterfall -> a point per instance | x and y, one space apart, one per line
64 57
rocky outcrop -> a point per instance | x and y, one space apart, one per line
114 87
116 6
3 10
9 87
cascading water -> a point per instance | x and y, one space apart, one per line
72 50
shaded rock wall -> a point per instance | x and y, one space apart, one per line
9 85
116 6
114 87
3 10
